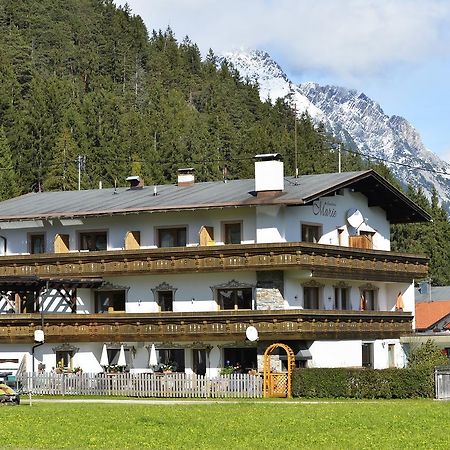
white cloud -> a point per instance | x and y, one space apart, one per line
346 37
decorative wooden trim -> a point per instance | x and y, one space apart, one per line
66 347
209 326
324 261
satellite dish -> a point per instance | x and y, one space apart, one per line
251 333
354 217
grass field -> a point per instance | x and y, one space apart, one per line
262 424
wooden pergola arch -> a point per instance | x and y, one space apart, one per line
278 384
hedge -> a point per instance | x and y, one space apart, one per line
363 383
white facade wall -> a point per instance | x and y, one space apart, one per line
349 353
261 224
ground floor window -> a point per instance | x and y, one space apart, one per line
113 356
243 359
64 359
170 359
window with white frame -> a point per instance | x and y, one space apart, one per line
311 232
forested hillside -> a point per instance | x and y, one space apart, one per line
82 81
80 77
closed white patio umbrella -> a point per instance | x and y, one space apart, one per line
104 358
153 361
122 361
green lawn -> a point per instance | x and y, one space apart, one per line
261 424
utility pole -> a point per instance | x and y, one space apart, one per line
295 141
339 157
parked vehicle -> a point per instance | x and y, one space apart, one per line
8 396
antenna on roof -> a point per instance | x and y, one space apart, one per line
115 186
295 141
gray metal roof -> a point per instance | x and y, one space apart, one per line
435 294
298 191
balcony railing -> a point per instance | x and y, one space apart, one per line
205 326
323 261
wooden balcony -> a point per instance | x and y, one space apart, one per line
324 261
205 326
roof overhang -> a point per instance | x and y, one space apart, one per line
379 192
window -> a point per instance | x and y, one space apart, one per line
113 356
235 298
165 300
341 298
311 233
246 357
199 361
367 355
232 233
311 297
93 241
368 300
64 359
391 355
169 357
172 237
37 243
109 301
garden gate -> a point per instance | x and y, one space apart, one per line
278 384
442 382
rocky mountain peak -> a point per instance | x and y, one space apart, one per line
355 119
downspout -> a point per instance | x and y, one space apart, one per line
42 326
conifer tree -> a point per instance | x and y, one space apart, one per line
8 178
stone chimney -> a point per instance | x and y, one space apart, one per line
269 174
186 177
135 182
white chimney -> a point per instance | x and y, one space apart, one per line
186 177
269 173
135 182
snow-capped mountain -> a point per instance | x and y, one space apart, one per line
354 119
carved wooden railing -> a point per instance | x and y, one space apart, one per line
205 326
322 260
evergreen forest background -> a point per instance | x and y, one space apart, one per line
83 84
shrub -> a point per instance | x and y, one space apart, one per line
427 356
363 383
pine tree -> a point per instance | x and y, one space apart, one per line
8 181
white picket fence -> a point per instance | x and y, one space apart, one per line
174 385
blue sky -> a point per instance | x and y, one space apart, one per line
395 51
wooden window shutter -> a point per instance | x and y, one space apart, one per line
62 243
363 241
133 240
206 236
